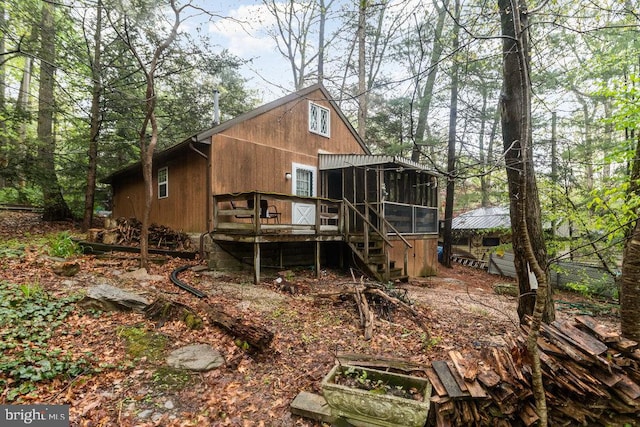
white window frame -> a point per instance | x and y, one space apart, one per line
164 182
319 120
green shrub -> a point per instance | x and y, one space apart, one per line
61 245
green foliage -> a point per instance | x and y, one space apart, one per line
31 290
26 195
62 245
28 319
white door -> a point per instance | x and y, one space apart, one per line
303 183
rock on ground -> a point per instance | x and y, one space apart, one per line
197 357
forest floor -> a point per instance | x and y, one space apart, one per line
113 371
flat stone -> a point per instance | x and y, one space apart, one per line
141 274
313 406
109 298
169 405
197 357
145 414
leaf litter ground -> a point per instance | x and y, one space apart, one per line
125 381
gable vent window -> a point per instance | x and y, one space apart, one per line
163 183
319 120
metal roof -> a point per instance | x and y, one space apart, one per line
341 161
482 219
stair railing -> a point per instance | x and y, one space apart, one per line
369 224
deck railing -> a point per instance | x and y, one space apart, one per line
244 213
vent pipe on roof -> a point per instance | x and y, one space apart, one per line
216 107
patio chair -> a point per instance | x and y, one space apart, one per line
267 211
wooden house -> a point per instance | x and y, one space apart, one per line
292 183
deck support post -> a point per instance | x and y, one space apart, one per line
317 259
256 263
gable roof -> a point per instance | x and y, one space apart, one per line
204 136
482 219
302 93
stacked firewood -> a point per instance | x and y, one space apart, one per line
591 377
126 231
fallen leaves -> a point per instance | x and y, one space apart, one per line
249 390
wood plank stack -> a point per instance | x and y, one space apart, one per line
591 377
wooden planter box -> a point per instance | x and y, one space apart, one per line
363 408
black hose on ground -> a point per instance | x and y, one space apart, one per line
182 285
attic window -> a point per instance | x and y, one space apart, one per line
319 120
163 183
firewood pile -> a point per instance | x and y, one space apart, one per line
126 231
591 377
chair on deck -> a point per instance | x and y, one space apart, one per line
242 216
267 211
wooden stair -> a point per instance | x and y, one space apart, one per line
374 260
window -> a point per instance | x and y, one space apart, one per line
319 120
490 241
163 183
304 182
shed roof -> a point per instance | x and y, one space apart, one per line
483 219
340 161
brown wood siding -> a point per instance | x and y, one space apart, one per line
251 155
184 209
287 128
257 153
423 256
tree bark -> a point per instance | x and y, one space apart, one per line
148 142
323 19
96 71
525 205
512 110
4 158
424 103
55 207
451 152
362 83
630 287
258 338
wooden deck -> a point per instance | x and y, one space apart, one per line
244 218
239 224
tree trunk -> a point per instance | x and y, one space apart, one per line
424 103
630 287
512 110
96 71
484 185
55 207
362 82
451 152
525 205
630 281
4 157
323 19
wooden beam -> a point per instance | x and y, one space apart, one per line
256 263
317 259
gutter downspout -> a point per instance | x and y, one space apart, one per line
207 195
208 191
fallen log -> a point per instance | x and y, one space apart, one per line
163 310
247 336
